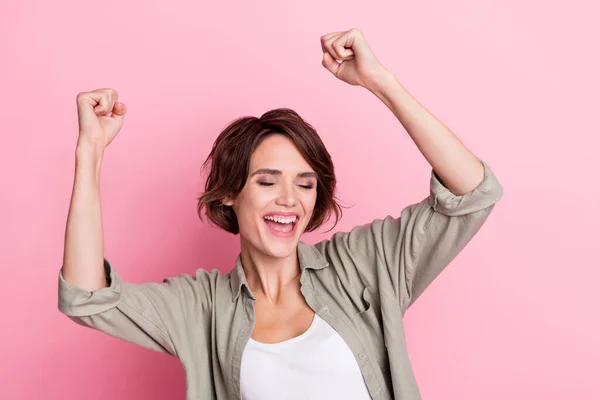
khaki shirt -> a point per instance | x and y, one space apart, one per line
361 282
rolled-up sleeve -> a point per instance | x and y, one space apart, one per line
442 200
436 230
145 314
406 253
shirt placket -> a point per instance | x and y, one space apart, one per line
366 362
242 339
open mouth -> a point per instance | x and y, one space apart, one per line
281 226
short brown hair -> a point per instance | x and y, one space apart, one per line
229 161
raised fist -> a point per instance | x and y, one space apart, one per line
100 117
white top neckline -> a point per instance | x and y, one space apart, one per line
290 341
316 365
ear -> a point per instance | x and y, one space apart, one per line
228 201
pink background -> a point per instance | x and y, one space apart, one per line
514 316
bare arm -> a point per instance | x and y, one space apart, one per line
410 250
457 167
84 241
90 292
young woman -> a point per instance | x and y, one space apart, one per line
291 320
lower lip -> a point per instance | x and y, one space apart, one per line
282 234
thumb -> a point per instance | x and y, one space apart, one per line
118 112
330 63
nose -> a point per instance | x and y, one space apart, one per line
287 196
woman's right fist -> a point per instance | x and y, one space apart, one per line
96 127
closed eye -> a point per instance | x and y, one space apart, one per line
271 184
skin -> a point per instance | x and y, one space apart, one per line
270 263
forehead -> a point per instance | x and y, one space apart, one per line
278 152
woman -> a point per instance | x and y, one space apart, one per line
291 320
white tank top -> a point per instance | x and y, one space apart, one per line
316 365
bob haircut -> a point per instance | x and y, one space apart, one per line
229 162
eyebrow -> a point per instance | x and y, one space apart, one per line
278 172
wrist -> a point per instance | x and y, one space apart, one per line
89 150
88 159
380 81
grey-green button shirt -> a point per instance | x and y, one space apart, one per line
361 282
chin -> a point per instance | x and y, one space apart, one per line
280 249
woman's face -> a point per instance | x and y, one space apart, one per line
278 199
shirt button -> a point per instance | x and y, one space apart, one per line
326 310
362 356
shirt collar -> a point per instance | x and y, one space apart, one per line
309 257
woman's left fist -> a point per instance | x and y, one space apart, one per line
358 65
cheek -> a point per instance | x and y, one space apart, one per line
250 208
309 202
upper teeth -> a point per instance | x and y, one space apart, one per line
282 220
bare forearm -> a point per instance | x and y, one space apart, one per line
83 253
458 168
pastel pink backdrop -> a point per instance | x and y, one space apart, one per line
515 315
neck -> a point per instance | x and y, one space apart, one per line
269 276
